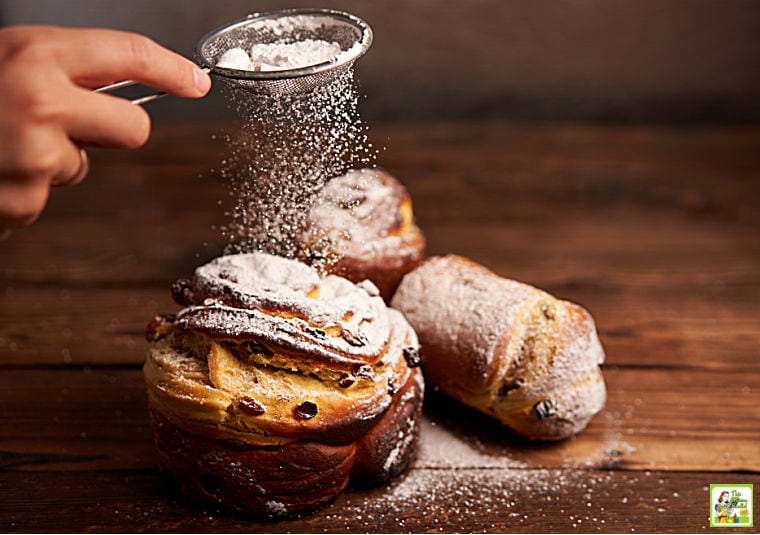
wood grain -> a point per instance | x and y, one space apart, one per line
468 500
664 419
653 229
647 312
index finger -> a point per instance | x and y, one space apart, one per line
89 54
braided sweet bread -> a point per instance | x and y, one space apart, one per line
274 386
505 348
361 226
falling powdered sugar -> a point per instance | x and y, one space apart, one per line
287 148
301 131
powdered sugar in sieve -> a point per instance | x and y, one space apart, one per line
285 52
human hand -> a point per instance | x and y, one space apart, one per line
49 112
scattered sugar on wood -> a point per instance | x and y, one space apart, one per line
473 498
460 483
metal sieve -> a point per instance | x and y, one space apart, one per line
286 26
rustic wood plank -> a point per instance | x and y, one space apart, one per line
81 326
535 169
135 247
653 229
608 247
424 501
96 418
544 177
74 419
663 290
662 326
674 297
57 326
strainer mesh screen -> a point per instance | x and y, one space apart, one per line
283 27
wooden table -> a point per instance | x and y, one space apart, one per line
655 230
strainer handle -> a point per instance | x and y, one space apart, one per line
128 83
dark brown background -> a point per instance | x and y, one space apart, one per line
515 158
632 60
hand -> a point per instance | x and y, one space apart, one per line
48 111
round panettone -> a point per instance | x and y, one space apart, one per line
274 386
361 226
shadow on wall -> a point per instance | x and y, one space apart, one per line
629 60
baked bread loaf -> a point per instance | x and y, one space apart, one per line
505 348
274 386
361 226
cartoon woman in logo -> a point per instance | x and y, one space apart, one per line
723 507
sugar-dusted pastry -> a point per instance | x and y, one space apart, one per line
505 348
274 386
361 226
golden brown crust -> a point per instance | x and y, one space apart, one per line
294 478
237 404
278 481
362 227
286 306
387 449
505 348
204 385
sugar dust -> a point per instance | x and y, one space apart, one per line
287 148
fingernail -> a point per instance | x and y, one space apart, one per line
202 80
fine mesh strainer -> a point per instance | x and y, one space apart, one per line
286 26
